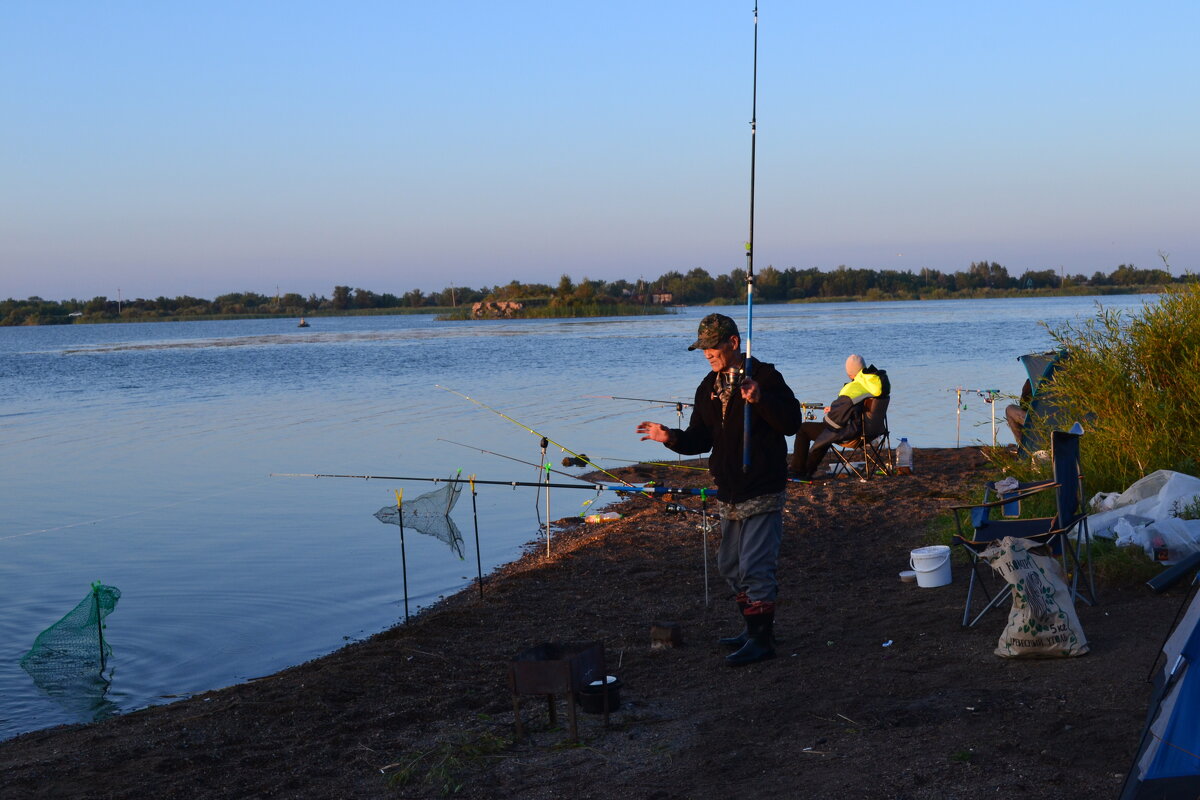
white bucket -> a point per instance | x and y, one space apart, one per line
932 565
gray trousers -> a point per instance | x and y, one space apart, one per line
749 554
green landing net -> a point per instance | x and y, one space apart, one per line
73 648
430 514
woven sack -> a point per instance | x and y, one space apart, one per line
1042 622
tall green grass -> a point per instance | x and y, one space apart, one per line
1131 381
1133 384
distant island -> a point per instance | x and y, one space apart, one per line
593 298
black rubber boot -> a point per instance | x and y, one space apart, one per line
760 644
736 642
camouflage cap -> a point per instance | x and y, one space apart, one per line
714 329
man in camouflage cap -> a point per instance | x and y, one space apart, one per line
751 496
714 329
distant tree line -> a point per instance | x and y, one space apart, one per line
696 287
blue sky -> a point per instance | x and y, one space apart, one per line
200 148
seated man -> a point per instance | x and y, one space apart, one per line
840 423
1015 415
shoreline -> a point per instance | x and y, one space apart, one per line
877 691
449 313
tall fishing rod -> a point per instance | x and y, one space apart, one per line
750 251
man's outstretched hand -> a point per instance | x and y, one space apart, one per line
654 431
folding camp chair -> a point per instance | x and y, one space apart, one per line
873 447
1066 533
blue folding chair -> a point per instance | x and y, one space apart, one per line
1065 534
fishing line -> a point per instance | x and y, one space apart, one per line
127 514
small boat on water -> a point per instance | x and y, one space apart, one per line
302 324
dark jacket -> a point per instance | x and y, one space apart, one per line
774 416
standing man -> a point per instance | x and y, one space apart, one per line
751 499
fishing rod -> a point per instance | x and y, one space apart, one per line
652 491
750 251
545 440
673 465
546 474
403 555
475 516
628 488
564 448
679 405
990 396
512 458
569 475
640 399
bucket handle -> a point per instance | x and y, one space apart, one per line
938 566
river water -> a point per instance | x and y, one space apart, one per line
142 455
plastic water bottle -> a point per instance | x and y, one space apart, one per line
904 457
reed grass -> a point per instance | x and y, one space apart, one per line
1131 383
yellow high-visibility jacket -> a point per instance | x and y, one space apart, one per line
865 384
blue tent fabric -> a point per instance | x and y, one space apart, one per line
1168 760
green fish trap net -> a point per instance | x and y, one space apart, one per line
72 653
429 514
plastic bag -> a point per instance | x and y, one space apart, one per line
1103 501
1169 540
1154 497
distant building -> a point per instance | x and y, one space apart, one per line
664 299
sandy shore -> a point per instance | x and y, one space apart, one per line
877 692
